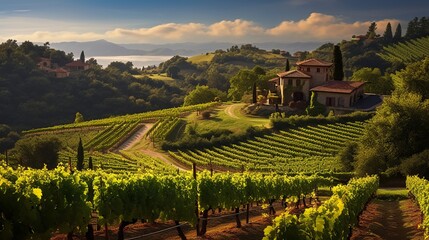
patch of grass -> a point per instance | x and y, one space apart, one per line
272 56
201 58
392 194
226 117
160 77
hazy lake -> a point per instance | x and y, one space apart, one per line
138 61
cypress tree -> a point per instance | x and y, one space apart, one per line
80 156
388 36
412 29
287 68
254 93
371 31
82 57
398 32
90 163
338 64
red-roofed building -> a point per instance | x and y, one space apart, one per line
77 66
341 94
59 73
46 66
314 75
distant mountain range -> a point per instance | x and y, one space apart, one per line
105 48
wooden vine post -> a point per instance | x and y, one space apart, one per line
247 213
197 225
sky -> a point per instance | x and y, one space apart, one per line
172 21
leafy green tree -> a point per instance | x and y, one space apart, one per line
82 56
78 118
375 81
203 94
338 64
397 131
35 152
388 35
347 155
173 71
414 78
417 164
315 108
80 156
8 138
398 33
243 82
121 67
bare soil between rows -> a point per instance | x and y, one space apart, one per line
217 228
390 220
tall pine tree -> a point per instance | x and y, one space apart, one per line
82 57
398 33
388 36
80 156
338 64
287 68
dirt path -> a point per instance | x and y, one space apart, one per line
136 137
229 110
392 220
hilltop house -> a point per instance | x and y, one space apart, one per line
314 75
53 70
77 66
48 67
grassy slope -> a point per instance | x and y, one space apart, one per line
201 58
160 77
228 117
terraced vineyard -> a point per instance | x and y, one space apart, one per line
411 51
120 162
306 149
163 128
145 116
111 135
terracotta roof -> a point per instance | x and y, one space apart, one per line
338 87
273 79
293 74
314 62
60 70
76 64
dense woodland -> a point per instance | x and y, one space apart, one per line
31 98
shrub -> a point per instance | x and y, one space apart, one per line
417 164
347 155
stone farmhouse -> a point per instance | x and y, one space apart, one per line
314 75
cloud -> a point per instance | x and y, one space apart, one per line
323 27
316 27
21 11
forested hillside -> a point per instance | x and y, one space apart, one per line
31 98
